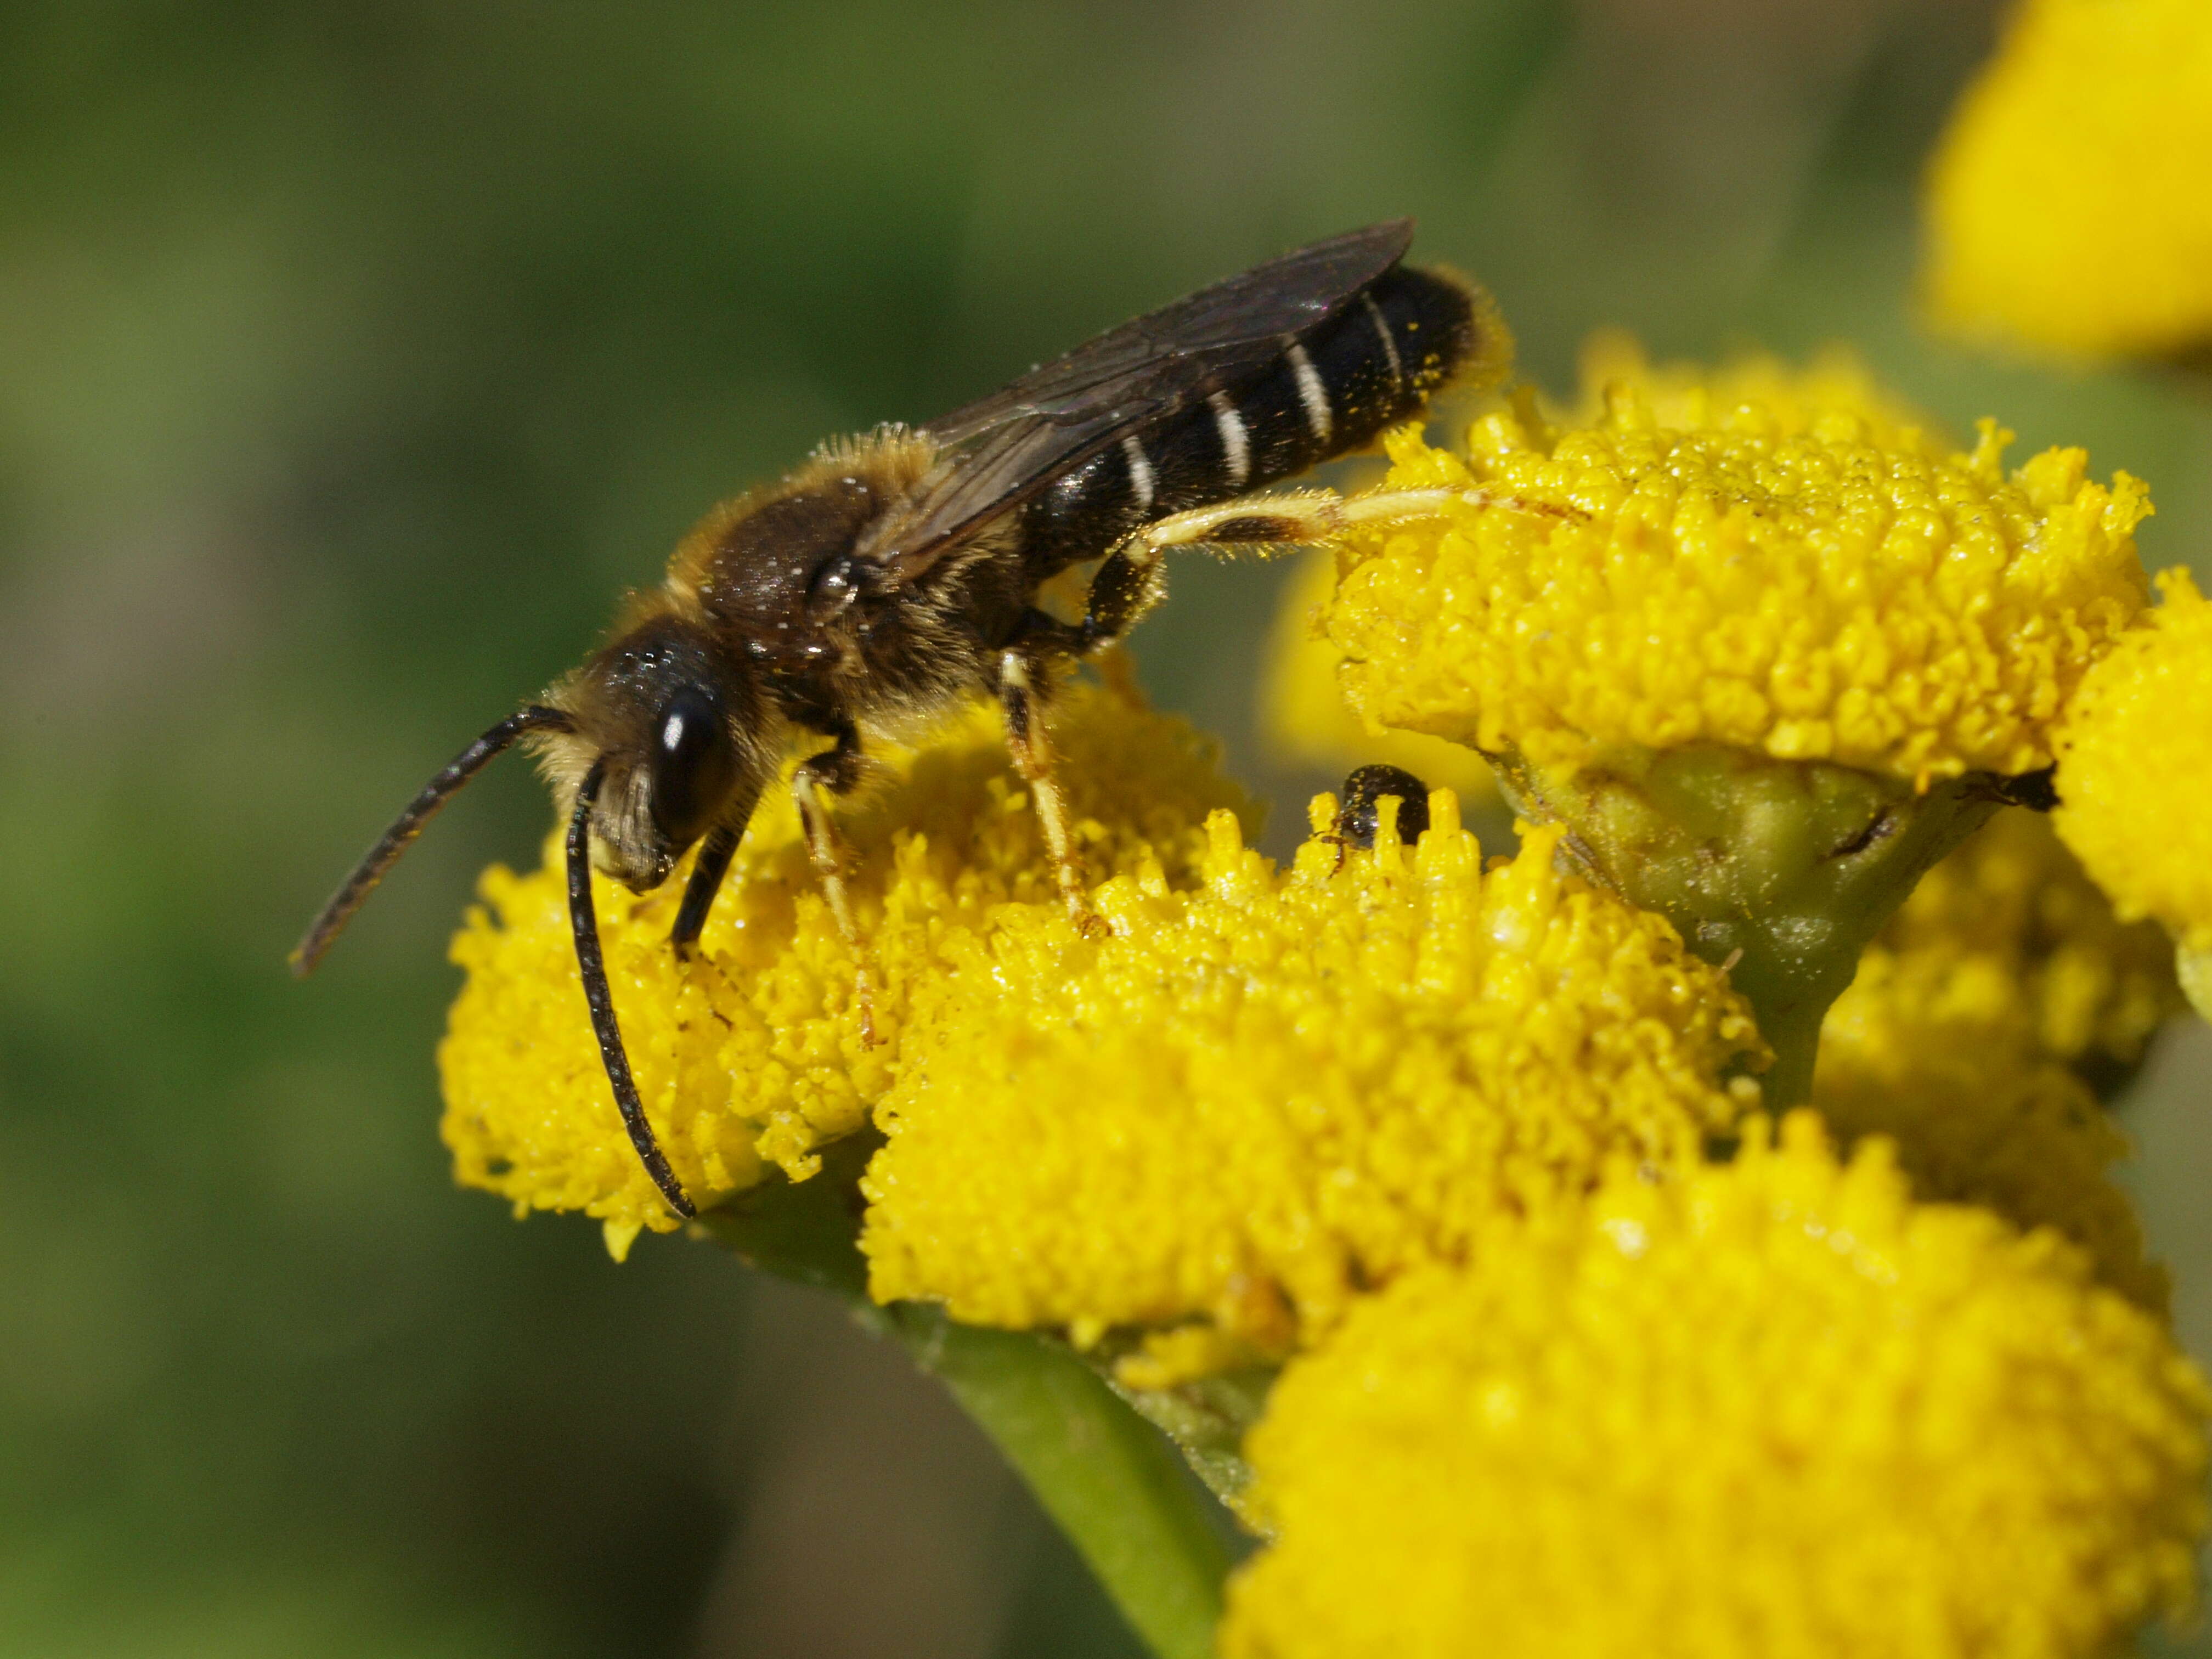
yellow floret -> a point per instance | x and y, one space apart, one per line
1303 714
1772 1409
1257 1098
2135 774
754 1053
1814 594
2070 205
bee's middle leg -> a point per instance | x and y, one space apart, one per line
1024 685
834 771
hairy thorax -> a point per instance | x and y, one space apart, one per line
788 577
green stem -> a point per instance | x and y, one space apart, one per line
1794 1034
1110 1479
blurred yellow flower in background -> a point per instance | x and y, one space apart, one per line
1771 1408
1974 1029
1833 392
2010 933
2070 203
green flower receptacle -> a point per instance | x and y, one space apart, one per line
1780 871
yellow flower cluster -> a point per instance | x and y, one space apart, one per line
1443 1136
1264 1094
2070 205
754 1051
1813 582
2135 774
2003 984
1773 1408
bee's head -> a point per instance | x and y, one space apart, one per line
674 723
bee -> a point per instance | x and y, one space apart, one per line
896 573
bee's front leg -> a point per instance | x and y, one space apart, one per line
707 873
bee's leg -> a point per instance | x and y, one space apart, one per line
711 866
1024 685
832 772
1130 581
707 873
1288 519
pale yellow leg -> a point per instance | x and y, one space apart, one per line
833 863
1030 744
1308 515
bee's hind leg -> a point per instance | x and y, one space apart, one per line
834 771
1024 685
1292 519
1128 582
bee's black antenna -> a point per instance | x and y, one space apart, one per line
594 968
361 883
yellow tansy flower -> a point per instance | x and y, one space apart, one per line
1302 715
2025 1138
754 1053
2011 936
2135 775
1773 1408
1264 1094
2070 204
1816 594
1973 1029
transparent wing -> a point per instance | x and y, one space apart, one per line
1007 446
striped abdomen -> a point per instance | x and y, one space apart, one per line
1332 389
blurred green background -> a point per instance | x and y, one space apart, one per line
352 361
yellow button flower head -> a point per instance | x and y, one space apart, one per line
1978 1018
2009 935
1772 1409
754 1051
1807 585
1304 714
2135 776
2070 205
2026 1137
1260 1095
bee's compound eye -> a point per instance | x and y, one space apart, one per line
694 766
1356 815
